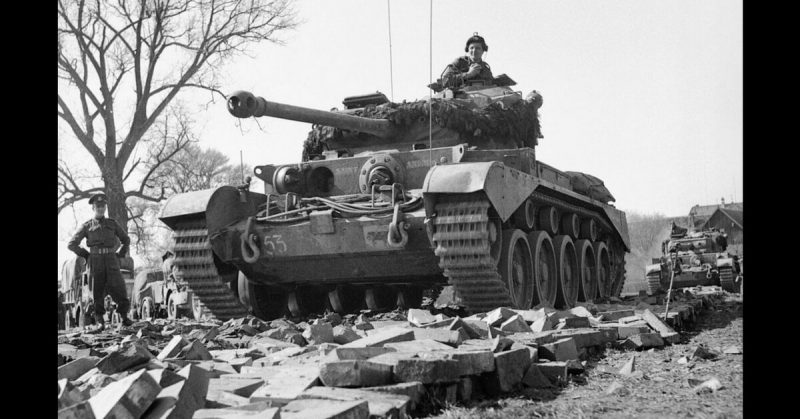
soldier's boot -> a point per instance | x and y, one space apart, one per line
100 323
124 320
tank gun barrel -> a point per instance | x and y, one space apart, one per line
243 104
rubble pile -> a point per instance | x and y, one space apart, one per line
391 365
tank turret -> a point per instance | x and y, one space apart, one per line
243 104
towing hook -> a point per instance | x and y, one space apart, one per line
249 242
397 236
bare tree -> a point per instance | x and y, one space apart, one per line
155 49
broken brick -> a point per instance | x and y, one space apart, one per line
535 378
129 397
450 337
556 371
344 334
560 350
426 370
418 317
355 374
515 324
196 351
510 367
319 333
173 348
382 336
73 370
643 340
129 355
498 316
380 404
325 409
666 332
68 394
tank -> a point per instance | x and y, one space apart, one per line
392 199
693 258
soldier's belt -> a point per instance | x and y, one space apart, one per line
101 250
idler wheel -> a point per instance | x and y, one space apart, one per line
603 268
587 263
568 272
548 220
264 302
380 298
570 225
345 299
409 297
306 300
544 268
516 268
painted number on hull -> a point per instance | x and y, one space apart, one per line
274 245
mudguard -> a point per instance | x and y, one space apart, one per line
652 269
505 187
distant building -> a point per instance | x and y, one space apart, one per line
732 222
699 214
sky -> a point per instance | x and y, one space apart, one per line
646 95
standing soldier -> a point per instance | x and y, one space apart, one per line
103 235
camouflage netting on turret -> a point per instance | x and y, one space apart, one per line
518 122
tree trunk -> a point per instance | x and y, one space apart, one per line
116 199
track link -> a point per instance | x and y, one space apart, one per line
195 259
461 235
653 283
726 279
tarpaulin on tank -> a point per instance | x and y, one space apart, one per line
516 124
590 186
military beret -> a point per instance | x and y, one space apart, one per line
476 38
99 198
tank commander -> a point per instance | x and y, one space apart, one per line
470 67
103 235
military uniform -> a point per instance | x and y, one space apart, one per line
103 235
454 74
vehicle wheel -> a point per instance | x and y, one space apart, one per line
548 220
264 302
199 309
545 276
726 279
587 263
306 300
570 225
589 229
525 216
148 309
380 297
516 268
603 268
345 299
653 283
172 308
409 297
568 273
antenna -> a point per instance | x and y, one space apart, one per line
391 67
241 164
430 90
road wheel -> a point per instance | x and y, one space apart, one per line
516 268
548 220
544 268
306 300
409 297
148 309
587 263
346 299
380 297
603 268
569 277
266 303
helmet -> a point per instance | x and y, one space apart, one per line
476 38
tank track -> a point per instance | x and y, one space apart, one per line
461 236
726 279
195 259
653 283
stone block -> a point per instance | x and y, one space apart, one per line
267 344
173 348
382 336
560 350
531 316
615 315
667 333
535 338
643 341
319 333
576 322
422 345
69 395
535 378
383 324
129 397
129 355
414 390
224 399
542 325
343 354
427 370
449 337
510 367
479 329
285 383
325 409
252 410
581 311
500 344
355 374
465 387
515 324
81 410
239 386
165 377
624 331
419 317
195 351
555 370
629 319
344 334
497 316
380 404
238 363
73 370
472 362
